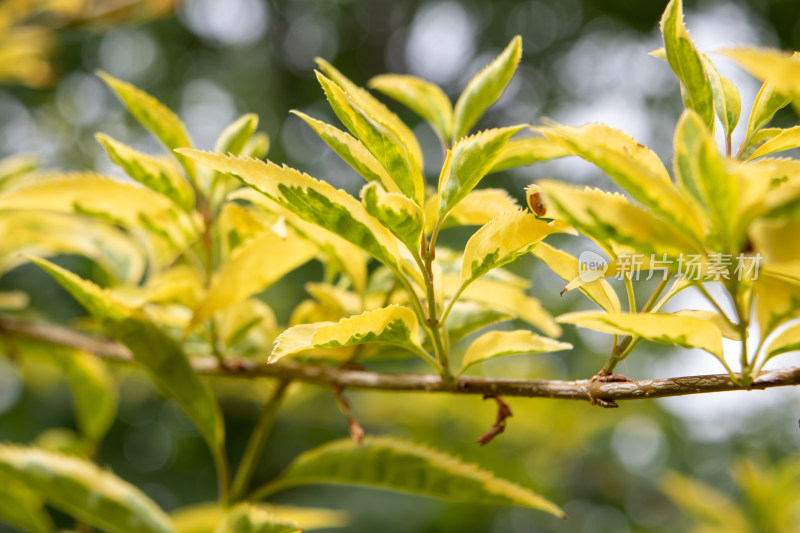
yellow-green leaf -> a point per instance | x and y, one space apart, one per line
160 355
687 63
502 240
779 69
663 328
700 173
256 265
726 329
611 216
486 88
160 175
391 464
352 151
396 212
787 340
467 163
765 105
23 508
205 517
248 518
568 268
234 137
634 167
375 109
710 506
154 116
498 343
383 141
527 151
466 317
785 140
83 490
777 300
476 209
727 101
423 97
311 200
506 298
392 325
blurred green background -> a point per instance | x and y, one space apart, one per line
584 60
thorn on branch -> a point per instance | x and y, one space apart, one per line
503 412
356 431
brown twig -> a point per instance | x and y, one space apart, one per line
503 412
582 389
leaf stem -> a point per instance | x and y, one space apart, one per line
258 438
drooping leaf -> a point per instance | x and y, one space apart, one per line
375 109
611 216
93 387
467 163
160 355
312 200
485 88
154 116
466 317
527 151
725 327
423 97
391 325
785 140
568 267
779 69
499 343
160 175
777 300
700 173
352 151
247 518
81 489
634 167
256 265
663 328
392 464
687 64
396 212
787 340
502 240
205 517
383 142
506 298
23 508
46 234
476 209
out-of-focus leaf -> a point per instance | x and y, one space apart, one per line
467 163
766 104
727 101
485 88
247 518
23 508
787 340
687 64
777 300
384 142
234 137
154 116
396 212
81 489
375 109
527 151
568 267
312 200
256 265
390 325
714 509
501 241
423 97
205 517
476 209
663 328
466 317
160 355
715 318
634 167
779 69
785 140
498 343
160 175
392 464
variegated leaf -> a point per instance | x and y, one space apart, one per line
476 209
247 518
499 343
396 212
787 139
466 317
205 517
423 97
779 69
527 151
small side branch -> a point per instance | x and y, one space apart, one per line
331 377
